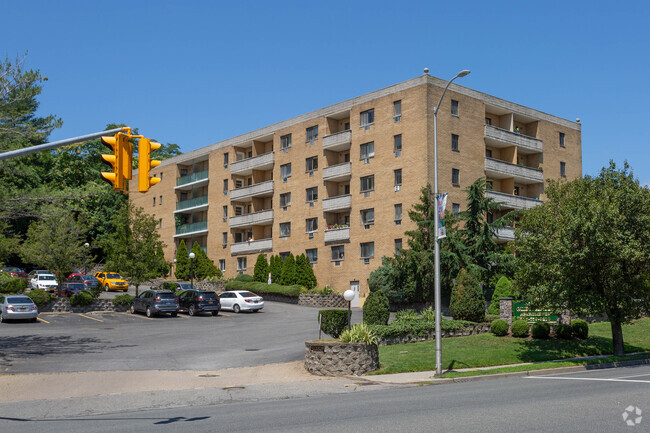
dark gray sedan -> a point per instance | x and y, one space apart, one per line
17 307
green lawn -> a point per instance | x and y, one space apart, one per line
487 350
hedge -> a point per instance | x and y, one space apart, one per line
499 327
124 299
12 285
264 288
82 299
418 328
40 297
333 322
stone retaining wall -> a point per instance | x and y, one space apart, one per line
333 300
340 359
62 305
478 328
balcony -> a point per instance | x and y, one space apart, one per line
188 182
192 205
262 218
338 172
497 169
337 235
340 203
188 230
506 234
246 166
263 189
338 142
497 137
251 247
511 201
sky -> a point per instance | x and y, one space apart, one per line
197 72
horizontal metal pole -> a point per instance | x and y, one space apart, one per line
55 144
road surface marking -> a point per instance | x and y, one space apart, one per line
588 378
91 318
42 320
137 315
636 375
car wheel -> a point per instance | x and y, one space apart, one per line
255 311
34 319
149 312
236 308
215 313
192 310
132 309
106 288
174 314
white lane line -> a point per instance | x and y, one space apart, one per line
588 378
636 375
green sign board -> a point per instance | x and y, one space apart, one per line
521 311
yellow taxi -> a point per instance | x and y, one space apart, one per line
112 281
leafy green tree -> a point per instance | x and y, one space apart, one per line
260 273
304 273
288 276
182 266
393 282
467 301
503 289
587 248
203 266
275 268
133 249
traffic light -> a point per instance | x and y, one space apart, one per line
114 161
145 164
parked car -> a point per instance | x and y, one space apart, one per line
177 286
241 300
69 289
32 274
74 273
112 281
44 282
15 272
17 307
88 280
198 301
154 302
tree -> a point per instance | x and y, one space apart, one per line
275 269
288 276
182 269
395 284
503 289
203 266
587 248
260 273
467 301
56 242
304 273
133 249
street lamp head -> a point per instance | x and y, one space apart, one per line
174 260
348 295
192 255
86 245
463 72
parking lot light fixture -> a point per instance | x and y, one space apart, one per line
192 255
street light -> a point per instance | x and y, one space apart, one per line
174 268
86 246
437 240
348 295
192 255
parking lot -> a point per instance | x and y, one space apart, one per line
71 342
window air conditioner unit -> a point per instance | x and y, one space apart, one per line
397 118
398 153
366 194
311 173
225 166
284 208
311 235
367 226
398 187
337 263
366 161
285 149
398 222
366 261
284 179
225 245
225 193
311 204
225 219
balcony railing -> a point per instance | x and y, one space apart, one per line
506 234
192 203
512 201
500 169
192 178
187 229
339 203
251 247
248 192
339 141
498 137
337 235
246 166
338 172
264 217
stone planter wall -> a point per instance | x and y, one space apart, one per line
340 359
478 328
62 305
333 300
279 298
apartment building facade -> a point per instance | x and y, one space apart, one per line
337 183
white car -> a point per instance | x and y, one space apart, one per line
43 281
241 300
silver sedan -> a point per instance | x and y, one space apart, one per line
241 300
17 307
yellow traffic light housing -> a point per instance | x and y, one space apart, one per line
145 164
114 161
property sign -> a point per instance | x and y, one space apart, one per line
520 311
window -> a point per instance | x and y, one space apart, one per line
311 164
488 121
239 237
285 199
160 223
312 134
160 176
454 142
563 169
397 111
312 255
398 214
241 263
398 245
225 213
562 139
226 156
516 190
368 216
222 265
285 141
154 201
367 183
312 224
397 144
239 183
160 200
489 185
239 210
488 153
285 170
490 218
455 176
312 194
224 237
285 229
398 176
455 208
284 255
367 118
367 250
338 252
454 107
225 186
368 150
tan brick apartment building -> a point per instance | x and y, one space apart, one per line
337 183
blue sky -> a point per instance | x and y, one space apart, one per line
197 72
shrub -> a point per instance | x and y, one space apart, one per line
333 322
503 289
409 314
541 330
491 317
417 328
11 285
288 276
124 299
359 333
580 329
304 272
499 327
275 269
264 288
428 313
467 298
169 286
376 309
82 299
520 328
261 271
244 278
40 297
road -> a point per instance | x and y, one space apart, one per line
589 401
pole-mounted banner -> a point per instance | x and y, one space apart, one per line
440 206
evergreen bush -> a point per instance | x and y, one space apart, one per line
333 322
563 331
503 289
11 285
275 268
124 299
244 278
580 329
261 271
288 276
489 318
541 330
376 309
182 267
203 266
467 298
305 274
520 328
40 297
82 299
499 327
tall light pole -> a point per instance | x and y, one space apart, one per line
437 241
192 255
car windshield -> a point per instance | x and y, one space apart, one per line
114 276
19 300
75 287
247 295
88 278
46 277
209 295
166 295
184 286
